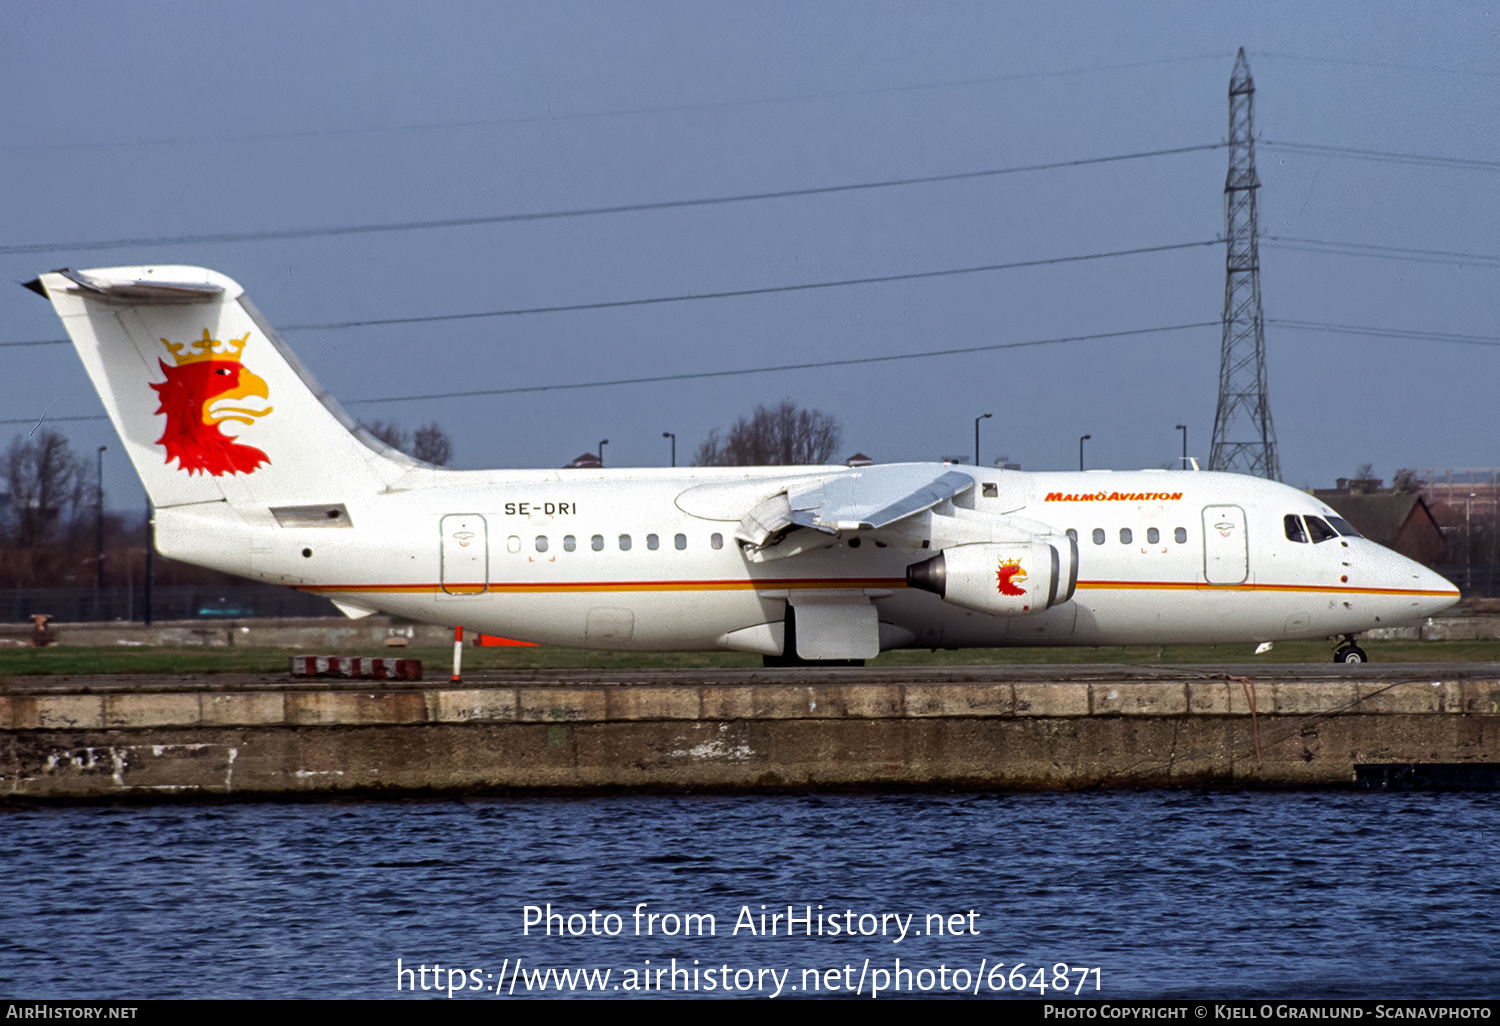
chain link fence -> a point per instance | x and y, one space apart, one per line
169 602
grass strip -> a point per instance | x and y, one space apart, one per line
18 662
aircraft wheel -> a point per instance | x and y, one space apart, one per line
1351 654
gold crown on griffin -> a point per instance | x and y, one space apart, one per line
206 348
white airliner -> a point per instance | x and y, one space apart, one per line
256 471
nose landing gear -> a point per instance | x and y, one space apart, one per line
1349 652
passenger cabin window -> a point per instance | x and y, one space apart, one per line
569 542
1320 531
1125 536
680 541
1152 536
513 544
716 540
1098 536
1180 535
541 543
1344 528
990 490
652 542
624 543
597 543
1294 531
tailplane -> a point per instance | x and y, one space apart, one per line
209 401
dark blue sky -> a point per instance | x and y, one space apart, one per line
148 120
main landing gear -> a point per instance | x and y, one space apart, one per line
789 656
1349 652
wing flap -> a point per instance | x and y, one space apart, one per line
862 499
870 498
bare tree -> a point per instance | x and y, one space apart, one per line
47 483
783 435
48 508
429 443
389 432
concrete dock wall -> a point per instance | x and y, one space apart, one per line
261 740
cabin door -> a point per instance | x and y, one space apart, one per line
465 554
1226 549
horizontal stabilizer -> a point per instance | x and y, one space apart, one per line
142 291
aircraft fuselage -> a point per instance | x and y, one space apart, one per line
611 559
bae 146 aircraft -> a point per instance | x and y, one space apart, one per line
255 470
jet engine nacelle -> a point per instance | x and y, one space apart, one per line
1005 579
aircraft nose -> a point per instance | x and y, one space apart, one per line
1431 591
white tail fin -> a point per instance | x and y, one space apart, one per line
210 403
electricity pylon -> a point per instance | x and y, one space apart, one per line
1244 439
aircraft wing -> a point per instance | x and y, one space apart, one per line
873 497
862 499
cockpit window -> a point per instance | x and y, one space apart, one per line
1344 528
1320 531
1294 531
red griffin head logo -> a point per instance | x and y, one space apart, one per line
1008 575
208 385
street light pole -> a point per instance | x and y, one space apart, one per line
1183 429
602 443
987 416
1080 449
668 434
1468 536
99 524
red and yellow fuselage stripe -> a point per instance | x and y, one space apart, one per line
813 583
1339 589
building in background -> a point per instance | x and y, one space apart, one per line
1399 520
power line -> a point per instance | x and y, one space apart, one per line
1433 68
1399 333
625 208
554 117
1341 329
733 373
1426 160
734 293
1278 241
783 367
1428 256
1420 159
50 420
690 296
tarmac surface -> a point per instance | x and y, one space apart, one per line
1060 673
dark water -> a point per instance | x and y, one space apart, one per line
1165 893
